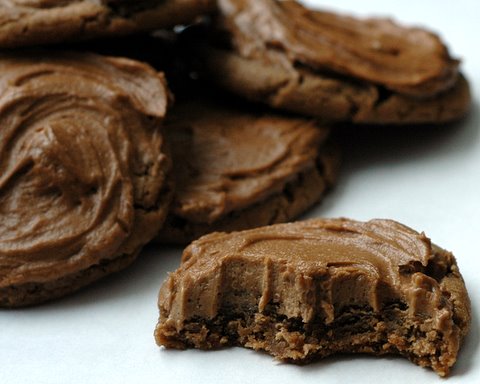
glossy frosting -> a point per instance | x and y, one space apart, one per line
81 163
227 158
410 61
310 270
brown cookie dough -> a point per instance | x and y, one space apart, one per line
334 67
237 169
306 290
31 22
83 175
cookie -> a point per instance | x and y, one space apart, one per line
334 67
236 168
32 22
83 182
306 290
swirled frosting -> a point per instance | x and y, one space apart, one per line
410 61
82 173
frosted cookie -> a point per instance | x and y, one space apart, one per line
334 67
310 289
237 168
32 22
83 174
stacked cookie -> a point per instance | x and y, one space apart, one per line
334 67
237 168
96 161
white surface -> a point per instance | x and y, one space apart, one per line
427 178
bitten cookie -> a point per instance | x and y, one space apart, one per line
334 67
32 22
310 289
83 176
237 169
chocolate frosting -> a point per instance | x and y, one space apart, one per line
312 270
230 158
82 173
410 61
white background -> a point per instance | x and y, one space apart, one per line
427 178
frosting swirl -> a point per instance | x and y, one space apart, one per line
81 163
235 157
